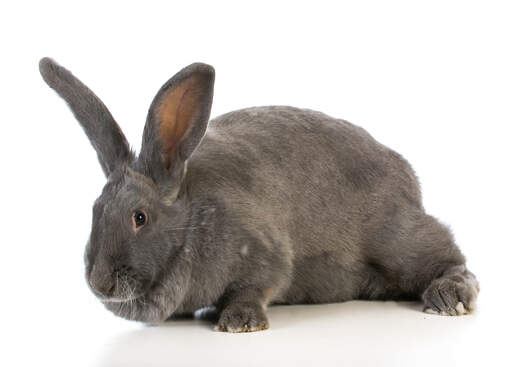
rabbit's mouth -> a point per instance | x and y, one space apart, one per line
117 299
122 290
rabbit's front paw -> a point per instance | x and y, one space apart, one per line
242 317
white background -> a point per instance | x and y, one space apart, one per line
432 80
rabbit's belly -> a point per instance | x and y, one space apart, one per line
319 279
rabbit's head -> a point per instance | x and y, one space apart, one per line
139 216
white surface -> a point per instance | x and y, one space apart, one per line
431 80
354 333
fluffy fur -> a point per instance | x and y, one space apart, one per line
260 206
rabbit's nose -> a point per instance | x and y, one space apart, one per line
102 282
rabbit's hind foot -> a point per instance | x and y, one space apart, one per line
452 294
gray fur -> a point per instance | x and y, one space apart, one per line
269 205
105 135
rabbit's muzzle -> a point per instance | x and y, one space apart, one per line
118 284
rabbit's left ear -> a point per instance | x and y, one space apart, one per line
102 130
177 119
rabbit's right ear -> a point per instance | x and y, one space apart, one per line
105 135
177 120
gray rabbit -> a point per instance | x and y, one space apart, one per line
266 205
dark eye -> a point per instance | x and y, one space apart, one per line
138 219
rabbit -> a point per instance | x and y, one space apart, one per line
260 206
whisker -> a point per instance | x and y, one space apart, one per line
117 283
182 228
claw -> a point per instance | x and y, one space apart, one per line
461 310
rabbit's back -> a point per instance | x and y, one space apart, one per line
316 189
287 145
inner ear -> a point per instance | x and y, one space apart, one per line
177 120
180 108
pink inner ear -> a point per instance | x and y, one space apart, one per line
176 113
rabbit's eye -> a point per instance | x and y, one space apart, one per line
138 219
